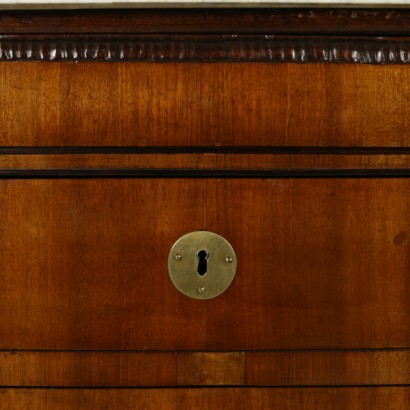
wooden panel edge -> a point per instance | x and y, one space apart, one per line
272 368
202 161
328 368
82 368
358 398
204 173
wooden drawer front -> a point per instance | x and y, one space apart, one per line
154 104
322 263
123 130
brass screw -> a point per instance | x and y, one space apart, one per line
201 290
228 259
178 257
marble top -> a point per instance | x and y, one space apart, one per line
84 4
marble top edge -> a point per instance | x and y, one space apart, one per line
87 4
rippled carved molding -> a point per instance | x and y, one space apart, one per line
205 48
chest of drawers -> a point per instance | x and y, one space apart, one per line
284 131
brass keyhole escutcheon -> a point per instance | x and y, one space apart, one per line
203 256
202 265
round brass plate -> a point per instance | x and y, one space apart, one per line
202 265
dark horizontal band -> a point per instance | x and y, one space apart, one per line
202 173
205 48
272 150
185 351
379 22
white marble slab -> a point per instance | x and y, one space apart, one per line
84 4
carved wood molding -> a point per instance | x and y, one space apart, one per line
205 48
258 35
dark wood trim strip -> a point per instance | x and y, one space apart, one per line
136 369
191 161
340 398
205 48
379 22
280 350
268 150
203 173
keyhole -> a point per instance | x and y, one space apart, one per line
202 263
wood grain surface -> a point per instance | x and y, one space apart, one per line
136 369
221 104
203 161
85 369
322 263
365 398
317 317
